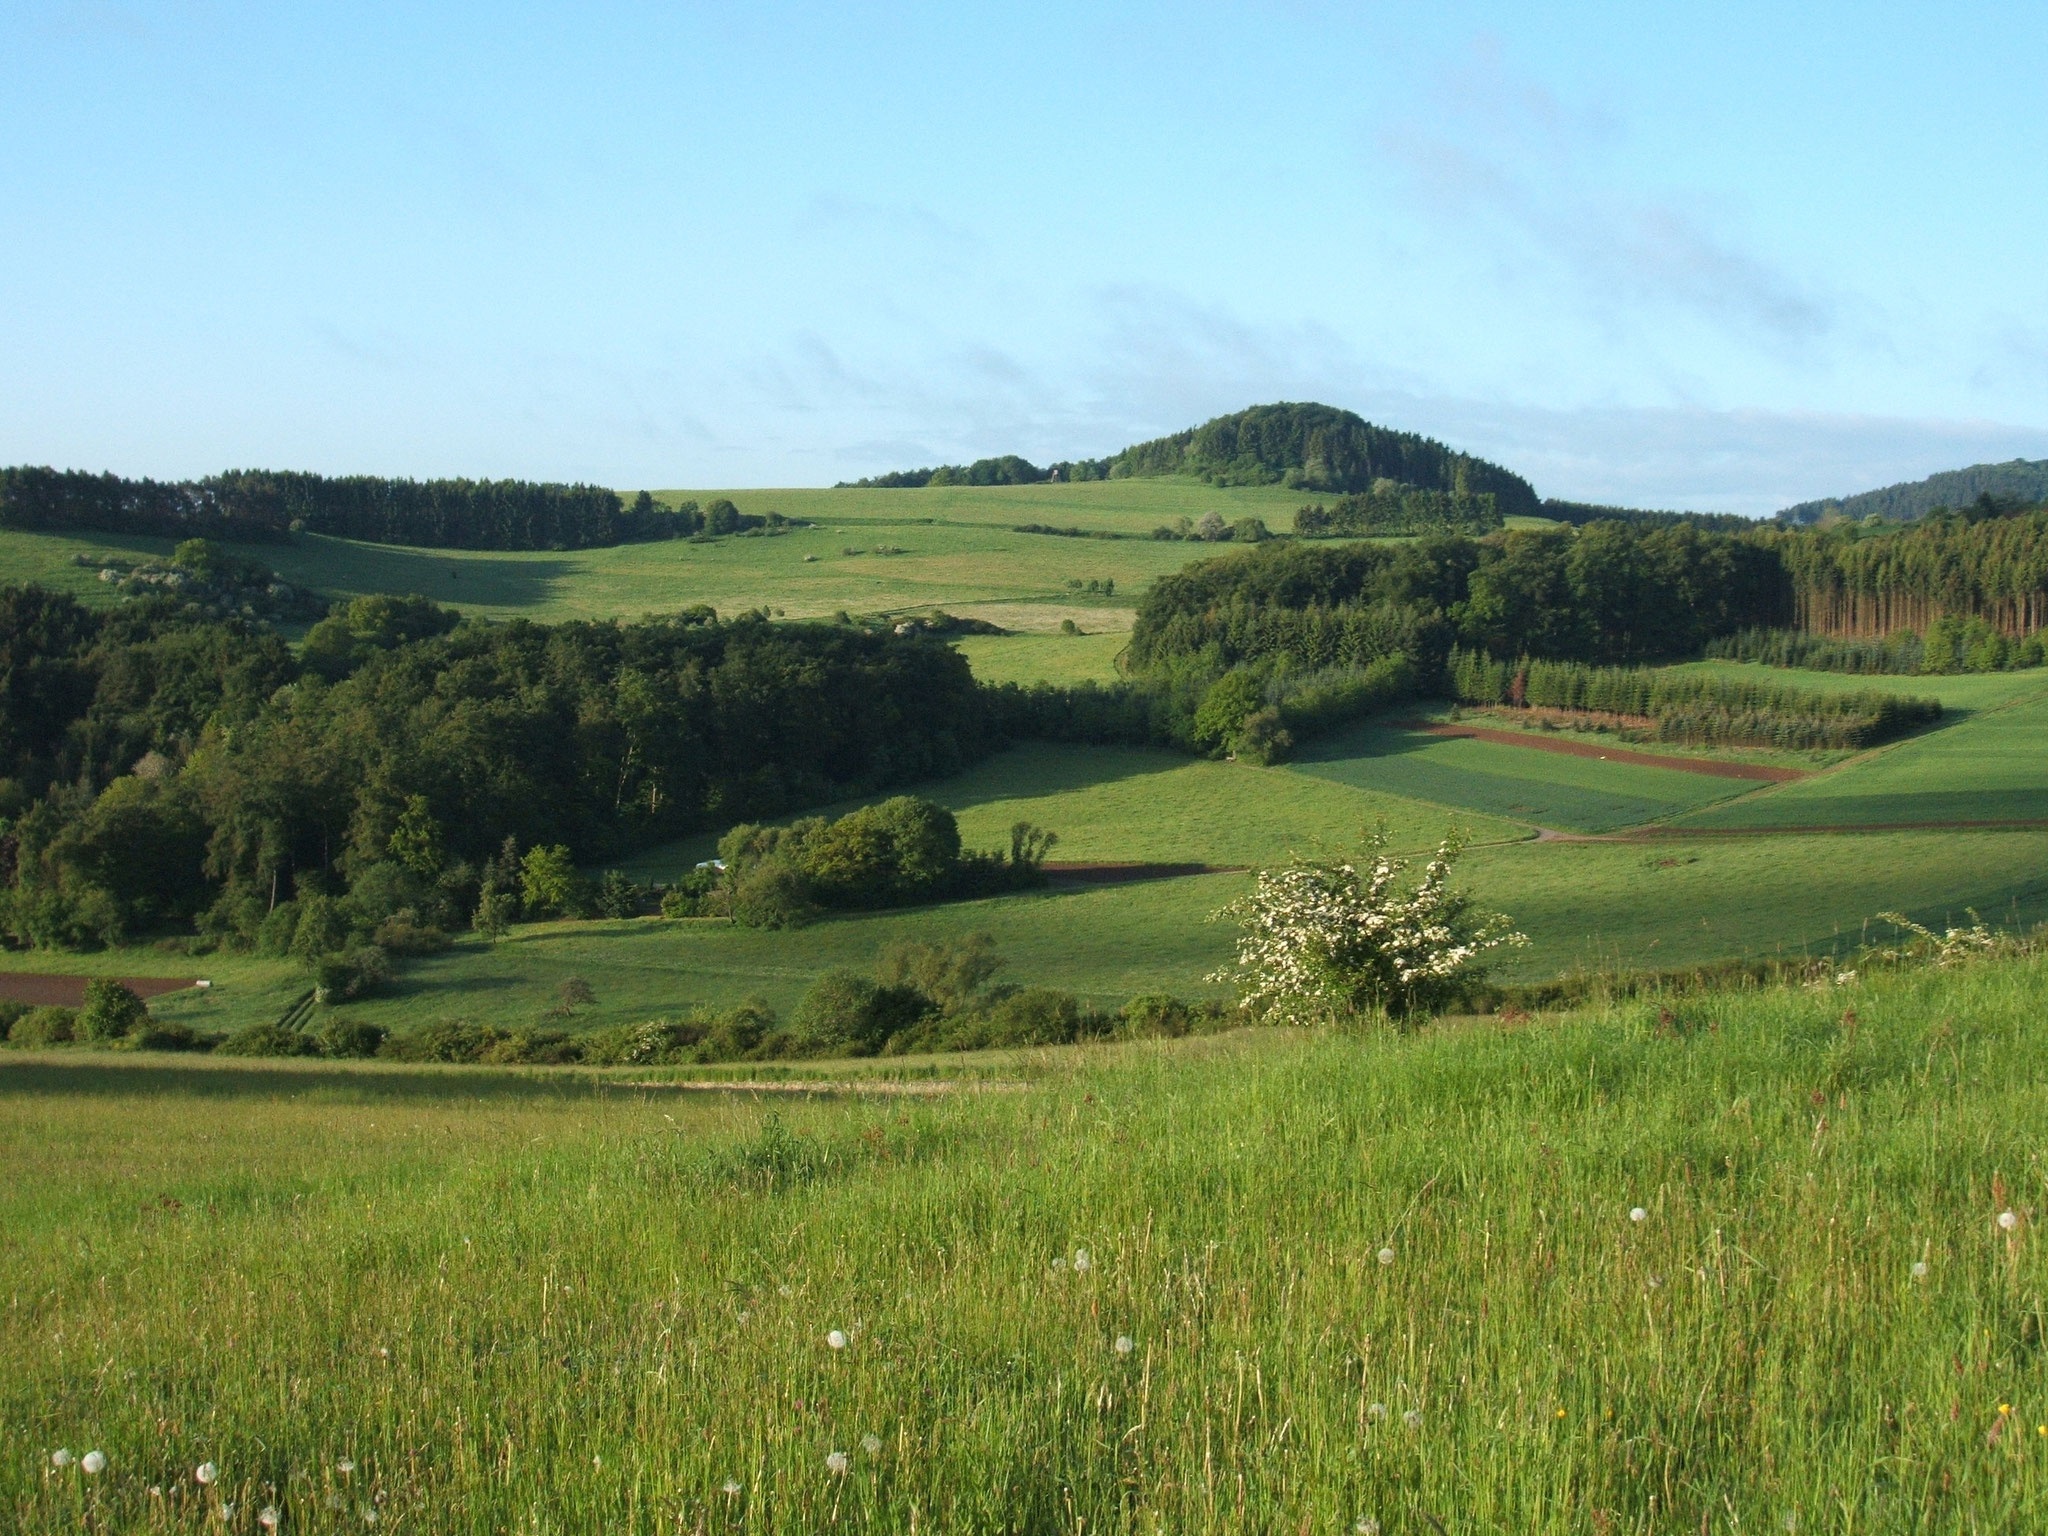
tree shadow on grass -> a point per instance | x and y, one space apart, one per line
346 568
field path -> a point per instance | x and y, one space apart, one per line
1759 772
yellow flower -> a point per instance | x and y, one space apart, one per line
1560 1413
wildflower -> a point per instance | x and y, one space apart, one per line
268 1518
872 1444
1367 1526
1082 1263
730 1487
1376 1412
1638 1214
784 1290
837 1463
1560 1413
2007 1221
1412 1418
1123 1344
1059 1263
205 1473
1919 1269
94 1463
2004 1409
60 1458
836 1339
1386 1256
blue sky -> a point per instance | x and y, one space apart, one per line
1724 256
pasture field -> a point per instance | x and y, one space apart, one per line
1989 766
1596 1272
1544 788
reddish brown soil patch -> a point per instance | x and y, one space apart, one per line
1125 874
69 991
1762 772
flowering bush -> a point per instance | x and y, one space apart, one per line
1325 942
1953 946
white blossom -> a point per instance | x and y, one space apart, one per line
837 1463
205 1473
1322 941
93 1463
1386 1256
1123 1344
1919 1269
1082 1262
836 1339
1638 1214
2007 1221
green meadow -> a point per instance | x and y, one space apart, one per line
1736 1267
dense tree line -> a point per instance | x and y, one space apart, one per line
1861 582
1611 592
1950 645
1007 469
2016 482
161 770
269 505
1702 709
1579 513
1397 510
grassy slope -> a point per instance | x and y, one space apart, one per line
1988 766
1546 788
516 1303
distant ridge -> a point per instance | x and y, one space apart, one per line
1300 444
2016 481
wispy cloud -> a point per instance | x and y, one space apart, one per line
1504 155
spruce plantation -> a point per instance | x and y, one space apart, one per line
1269 981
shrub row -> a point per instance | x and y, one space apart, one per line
1950 645
1697 708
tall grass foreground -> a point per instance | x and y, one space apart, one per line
1763 1261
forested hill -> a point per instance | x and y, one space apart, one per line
1313 447
1320 448
2017 482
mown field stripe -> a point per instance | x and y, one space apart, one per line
1762 772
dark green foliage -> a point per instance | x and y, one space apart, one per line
2017 482
1867 582
617 895
341 1036
1389 509
47 1025
1579 513
1006 470
1320 448
1702 709
152 1036
254 505
110 1011
1898 654
358 630
898 852
351 973
269 1040
847 1014
1610 592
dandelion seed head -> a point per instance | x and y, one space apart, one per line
1367 1526
730 1487
268 1517
156 1490
1386 1255
837 1463
1638 1214
333 1499
1059 1262
1376 1412
60 1458
1919 1269
872 1444
94 1463
1082 1262
1412 1418
1123 1344
205 1473
369 1515
344 1466
784 1290
226 1513
2007 1221
836 1339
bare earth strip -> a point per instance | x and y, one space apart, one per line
1759 771
69 991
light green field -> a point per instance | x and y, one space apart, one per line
1991 765
1549 789
1044 658
957 551
1329 1281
